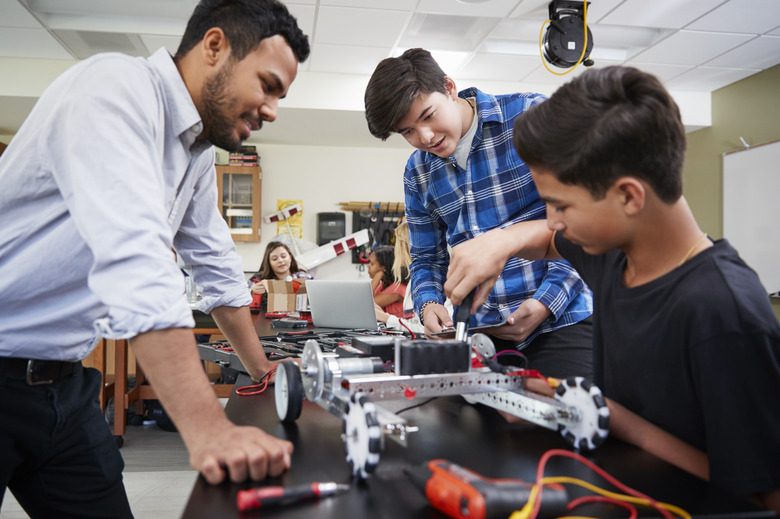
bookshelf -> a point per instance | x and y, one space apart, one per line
239 189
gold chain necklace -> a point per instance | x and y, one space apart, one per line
690 251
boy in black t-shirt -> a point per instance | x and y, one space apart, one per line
686 345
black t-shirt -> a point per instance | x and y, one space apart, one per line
696 352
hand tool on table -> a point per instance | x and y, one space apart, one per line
463 494
264 497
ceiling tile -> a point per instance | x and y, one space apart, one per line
517 29
662 71
446 32
346 59
538 10
535 10
371 27
673 14
748 16
12 14
304 14
180 9
399 5
497 67
625 36
707 79
553 76
496 8
691 47
762 52
30 43
154 42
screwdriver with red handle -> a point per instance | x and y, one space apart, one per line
263 497
463 494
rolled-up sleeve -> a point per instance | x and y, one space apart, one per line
559 286
206 247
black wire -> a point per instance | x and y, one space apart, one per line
416 405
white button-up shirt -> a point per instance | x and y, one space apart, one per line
102 180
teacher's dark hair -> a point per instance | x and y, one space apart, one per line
245 23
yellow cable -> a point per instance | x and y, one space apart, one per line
584 46
621 497
525 512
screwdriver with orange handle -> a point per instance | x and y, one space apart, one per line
463 494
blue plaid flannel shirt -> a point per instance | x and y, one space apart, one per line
446 205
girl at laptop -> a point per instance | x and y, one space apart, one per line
278 263
402 259
389 287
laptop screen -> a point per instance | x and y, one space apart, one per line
341 304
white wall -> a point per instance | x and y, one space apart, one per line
322 177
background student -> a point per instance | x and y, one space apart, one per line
466 179
409 321
388 286
686 345
115 166
278 263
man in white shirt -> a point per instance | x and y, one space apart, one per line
113 168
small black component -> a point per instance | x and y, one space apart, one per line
423 357
289 323
376 346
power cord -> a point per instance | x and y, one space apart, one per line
256 389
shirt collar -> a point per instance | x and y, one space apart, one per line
181 113
486 105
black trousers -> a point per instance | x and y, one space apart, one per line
564 353
57 454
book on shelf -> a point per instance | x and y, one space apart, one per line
242 163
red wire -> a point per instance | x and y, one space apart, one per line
598 470
531 373
410 330
258 388
603 499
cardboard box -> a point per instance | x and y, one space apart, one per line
282 296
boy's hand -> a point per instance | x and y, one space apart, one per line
436 318
523 321
477 262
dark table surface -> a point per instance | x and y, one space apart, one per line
474 437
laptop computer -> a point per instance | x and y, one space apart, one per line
341 304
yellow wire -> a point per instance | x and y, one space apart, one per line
584 46
525 512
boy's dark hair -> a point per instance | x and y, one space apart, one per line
603 125
385 256
245 23
395 84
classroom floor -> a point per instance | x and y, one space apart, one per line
158 477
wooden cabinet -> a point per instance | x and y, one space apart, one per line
239 200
